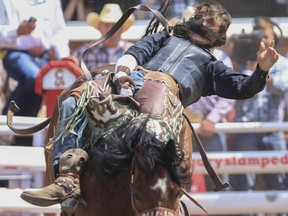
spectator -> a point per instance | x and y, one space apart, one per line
31 35
271 29
267 106
113 48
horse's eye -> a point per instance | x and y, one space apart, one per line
136 196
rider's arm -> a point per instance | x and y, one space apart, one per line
125 65
145 48
138 54
124 83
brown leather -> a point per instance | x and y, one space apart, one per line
186 144
67 184
62 187
158 75
164 98
30 130
166 78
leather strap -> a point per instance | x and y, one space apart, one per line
14 108
116 26
193 200
218 184
183 209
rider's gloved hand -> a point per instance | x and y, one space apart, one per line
124 84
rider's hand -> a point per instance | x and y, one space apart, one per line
125 85
267 57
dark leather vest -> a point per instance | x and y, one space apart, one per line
182 60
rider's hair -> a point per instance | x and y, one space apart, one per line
213 9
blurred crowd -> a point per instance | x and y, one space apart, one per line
40 40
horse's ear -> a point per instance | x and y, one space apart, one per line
170 151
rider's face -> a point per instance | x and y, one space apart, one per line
211 23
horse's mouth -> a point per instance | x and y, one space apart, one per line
159 211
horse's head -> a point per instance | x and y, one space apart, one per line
157 165
156 178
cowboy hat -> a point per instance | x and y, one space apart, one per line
110 13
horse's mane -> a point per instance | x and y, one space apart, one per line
152 154
113 152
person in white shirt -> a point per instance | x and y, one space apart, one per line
31 34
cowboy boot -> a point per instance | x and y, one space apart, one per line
66 187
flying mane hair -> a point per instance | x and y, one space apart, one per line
113 153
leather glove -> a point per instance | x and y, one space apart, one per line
124 84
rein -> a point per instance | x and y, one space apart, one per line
218 184
23 131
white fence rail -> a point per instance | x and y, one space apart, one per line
254 202
230 127
32 159
12 203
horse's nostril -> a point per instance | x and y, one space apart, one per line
69 156
82 160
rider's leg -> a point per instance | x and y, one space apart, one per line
64 142
71 158
66 186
